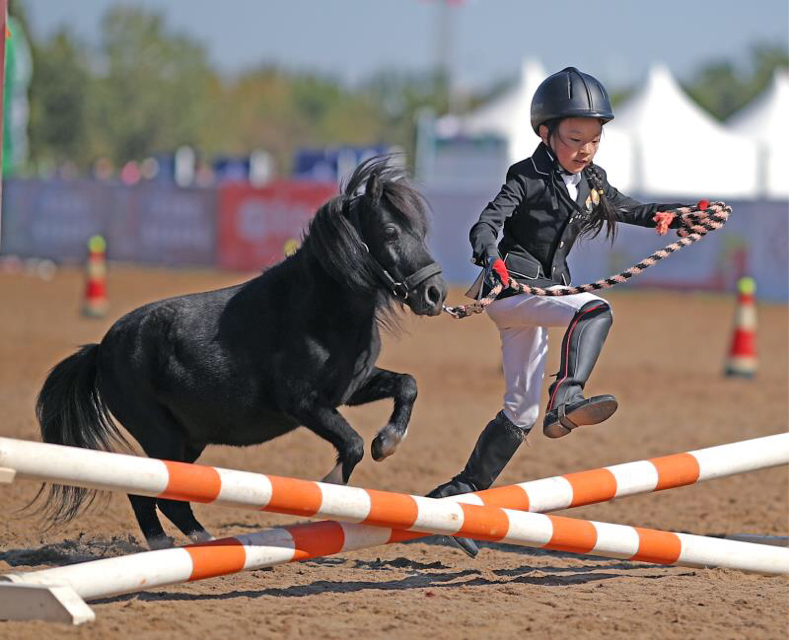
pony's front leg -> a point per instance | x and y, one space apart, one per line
330 425
388 384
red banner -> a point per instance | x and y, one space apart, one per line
257 228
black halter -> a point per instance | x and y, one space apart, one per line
400 289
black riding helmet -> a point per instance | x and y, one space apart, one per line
569 94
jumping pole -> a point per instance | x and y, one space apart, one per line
200 483
380 517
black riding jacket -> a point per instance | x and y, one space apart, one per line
541 222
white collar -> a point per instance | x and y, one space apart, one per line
571 178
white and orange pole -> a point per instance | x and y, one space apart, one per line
201 483
150 569
401 517
58 593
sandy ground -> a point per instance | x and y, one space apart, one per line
663 361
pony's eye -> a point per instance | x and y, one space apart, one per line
390 232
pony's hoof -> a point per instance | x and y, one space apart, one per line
200 536
384 445
161 542
334 476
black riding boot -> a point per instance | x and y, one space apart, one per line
497 443
583 341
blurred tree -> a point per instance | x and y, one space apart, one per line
147 90
722 89
58 101
266 108
398 97
153 92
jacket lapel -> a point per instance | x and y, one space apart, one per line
542 160
583 191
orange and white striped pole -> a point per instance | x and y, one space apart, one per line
90 469
58 593
150 569
379 517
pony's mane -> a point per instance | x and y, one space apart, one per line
334 241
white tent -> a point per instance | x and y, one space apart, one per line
764 121
508 116
678 149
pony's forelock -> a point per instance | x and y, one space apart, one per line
334 240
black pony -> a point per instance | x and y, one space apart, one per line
242 365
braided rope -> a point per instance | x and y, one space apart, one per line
696 223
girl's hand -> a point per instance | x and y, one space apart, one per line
662 220
496 271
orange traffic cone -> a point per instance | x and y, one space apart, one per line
742 354
96 304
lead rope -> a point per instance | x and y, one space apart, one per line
696 223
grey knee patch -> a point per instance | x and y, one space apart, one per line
505 423
602 306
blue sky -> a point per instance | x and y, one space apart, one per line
613 39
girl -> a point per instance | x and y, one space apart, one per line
546 203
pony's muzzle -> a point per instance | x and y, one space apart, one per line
431 297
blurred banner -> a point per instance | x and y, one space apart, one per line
150 223
334 165
162 224
238 226
53 219
259 227
754 242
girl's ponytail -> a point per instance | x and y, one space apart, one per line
603 213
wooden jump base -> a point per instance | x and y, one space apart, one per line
398 517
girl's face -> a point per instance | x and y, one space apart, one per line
574 142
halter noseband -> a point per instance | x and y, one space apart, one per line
400 289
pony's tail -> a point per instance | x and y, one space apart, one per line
71 412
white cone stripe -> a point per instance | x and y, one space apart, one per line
444 515
359 536
549 494
352 500
243 489
634 477
743 363
746 317
622 540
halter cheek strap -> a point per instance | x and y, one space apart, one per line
400 289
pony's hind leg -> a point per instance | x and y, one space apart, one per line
161 436
180 513
145 511
388 384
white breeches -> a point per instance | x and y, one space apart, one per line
522 321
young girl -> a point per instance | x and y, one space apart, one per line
547 202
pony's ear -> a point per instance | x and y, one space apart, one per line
374 188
